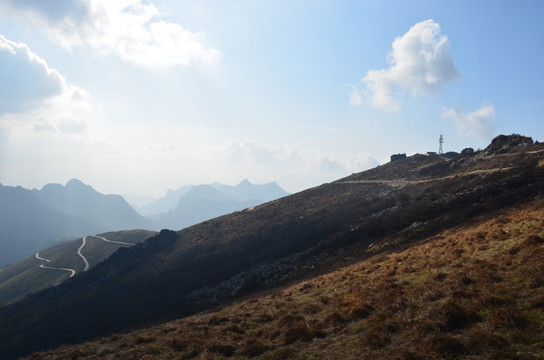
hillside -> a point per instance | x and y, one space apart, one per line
56 264
473 291
394 206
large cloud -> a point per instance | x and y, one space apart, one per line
26 80
31 90
420 64
134 31
478 123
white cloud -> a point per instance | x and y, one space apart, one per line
478 123
27 81
355 98
168 147
42 125
420 64
69 125
30 91
133 30
248 150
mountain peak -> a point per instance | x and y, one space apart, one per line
245 182
75 183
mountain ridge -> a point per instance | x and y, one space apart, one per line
243 192
79 199
223 259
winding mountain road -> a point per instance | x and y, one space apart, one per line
72 271
98 237
112 241
81 255
401 183
87 265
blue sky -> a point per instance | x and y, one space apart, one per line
136 96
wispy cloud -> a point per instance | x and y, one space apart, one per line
132 29
478 123
421 63
290 164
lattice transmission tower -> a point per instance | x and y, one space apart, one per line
440 141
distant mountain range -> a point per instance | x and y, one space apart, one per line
159 207
203 202
80 200
244 192
31 220
27 224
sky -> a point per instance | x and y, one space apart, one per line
137 97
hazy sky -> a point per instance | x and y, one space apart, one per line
135 96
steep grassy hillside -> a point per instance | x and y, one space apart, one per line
399 204
474 291
29 275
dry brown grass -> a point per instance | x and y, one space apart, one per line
473 292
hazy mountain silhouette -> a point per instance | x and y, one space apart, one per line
33 219
81 200
205 202
247 191
159 207
243 192
26 224
201 203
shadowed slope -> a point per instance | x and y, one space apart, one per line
297 236
472 291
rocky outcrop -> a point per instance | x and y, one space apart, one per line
508 143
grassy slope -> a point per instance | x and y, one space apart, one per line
27 277
471 292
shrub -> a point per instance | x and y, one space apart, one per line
509 317
222 349
252 347
235 329
302 333
334 320
144 339
533 240
376 339
178 344
456 317
280 354
355 307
